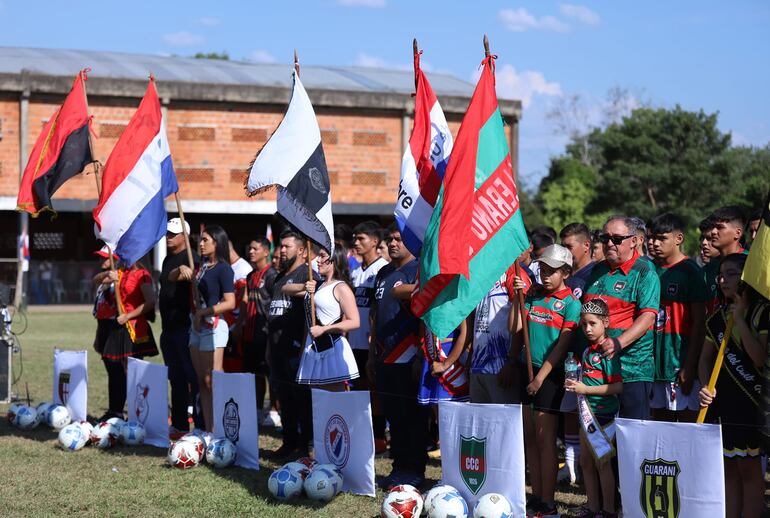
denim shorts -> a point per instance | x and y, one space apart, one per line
206 340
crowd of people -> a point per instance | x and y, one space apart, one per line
641 321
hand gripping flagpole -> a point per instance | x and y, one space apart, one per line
717 366
308 246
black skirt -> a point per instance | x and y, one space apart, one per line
113 342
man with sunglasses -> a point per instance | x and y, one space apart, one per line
630 287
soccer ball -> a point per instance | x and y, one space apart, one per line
300 468
493 505
183 455
12 410
221 453
132 433
42 411
26 417
118 423
402 502
438 489
88 429
323 483
284 484
72 437
197 443
105 435
58 417
449 504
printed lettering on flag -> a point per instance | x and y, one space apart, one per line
343 436
235 415
147 396
70 382
664 467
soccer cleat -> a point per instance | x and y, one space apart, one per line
546 511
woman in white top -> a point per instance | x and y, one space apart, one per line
327 360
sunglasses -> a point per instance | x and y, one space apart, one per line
616 240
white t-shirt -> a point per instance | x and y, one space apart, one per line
363 286
491 338
241 268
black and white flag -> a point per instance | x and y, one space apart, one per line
293 160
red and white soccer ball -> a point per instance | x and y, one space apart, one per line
183 454
221 453
310 462
284 484
105 435
438 489
12 410
323 483
492 505
26 417
88 429
72 437
403 501
196 440
58 417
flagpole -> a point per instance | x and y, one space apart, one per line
524 325
717 366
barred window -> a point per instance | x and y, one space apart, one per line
377 178
195 174
241 134
111 129
239 175
329 137
334 177
196 133
370 138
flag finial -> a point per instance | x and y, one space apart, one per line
296 62
486 46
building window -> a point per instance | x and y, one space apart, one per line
376 178
239 175
111 129
196 133
246 134
195 174
329 137
334 177
370 138
48 240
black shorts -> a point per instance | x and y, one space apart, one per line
635 400
548 398
361 356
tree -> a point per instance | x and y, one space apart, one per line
224 56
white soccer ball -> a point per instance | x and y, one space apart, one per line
42 411
105 435
26 417
284 484
221 453
299 467
183 455
88 429
493 505
196 441
402 501
71 437
448 505
438 489
323 483
12 411
132 433
118 423
58 417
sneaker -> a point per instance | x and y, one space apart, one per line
273 418
408 477
175 433
585 512
533 504
565 475
110 415
547 511
283 453
387 482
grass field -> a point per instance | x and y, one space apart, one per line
40 479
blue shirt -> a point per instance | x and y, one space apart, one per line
396 329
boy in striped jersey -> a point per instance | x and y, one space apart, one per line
680 327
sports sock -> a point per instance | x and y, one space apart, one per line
572 453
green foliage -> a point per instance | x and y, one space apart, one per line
224 56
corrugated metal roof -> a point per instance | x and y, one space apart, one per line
119 65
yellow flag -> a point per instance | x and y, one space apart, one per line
756 273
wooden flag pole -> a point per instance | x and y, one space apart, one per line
717 366
190 261
524 326
308 246
486 46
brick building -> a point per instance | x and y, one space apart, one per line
218 115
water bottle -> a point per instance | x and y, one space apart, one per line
571 368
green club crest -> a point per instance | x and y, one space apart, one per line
473 462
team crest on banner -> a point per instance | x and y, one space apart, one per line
473 462
231 421
337 440
659 492
141 404
64 387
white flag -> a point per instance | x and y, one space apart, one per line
147 390
70 382
343 436
235 415
670 469
482 451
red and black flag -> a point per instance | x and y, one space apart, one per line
62 150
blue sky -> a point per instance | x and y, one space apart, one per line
705 54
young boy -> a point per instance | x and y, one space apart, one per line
680 327
598 404
552 313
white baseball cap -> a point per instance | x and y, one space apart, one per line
175 226
556 256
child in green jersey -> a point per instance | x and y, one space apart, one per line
601 383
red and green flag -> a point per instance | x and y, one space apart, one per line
476 231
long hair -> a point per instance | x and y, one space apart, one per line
221 242
341 266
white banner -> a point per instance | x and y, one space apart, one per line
235 415
482 451
70 381
147 390
670 469
343 436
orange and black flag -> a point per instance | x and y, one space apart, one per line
756 273
62 151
